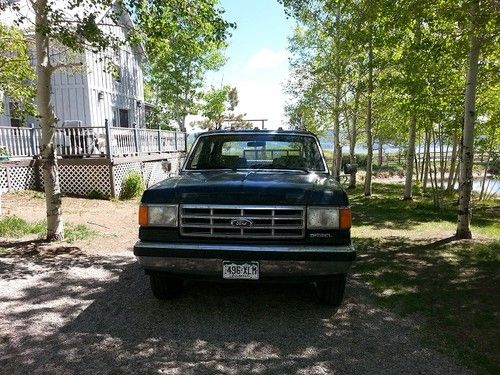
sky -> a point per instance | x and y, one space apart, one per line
257 62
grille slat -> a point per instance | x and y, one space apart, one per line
278 222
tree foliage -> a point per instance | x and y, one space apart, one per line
217 106
400 69
16 72
183 39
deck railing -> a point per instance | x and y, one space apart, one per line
100 141
19 142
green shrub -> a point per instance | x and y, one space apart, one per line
132 185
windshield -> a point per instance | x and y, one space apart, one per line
256 151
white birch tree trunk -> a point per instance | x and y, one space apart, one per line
467 151
410 157
453 162
380 153
369 139
55 227
337 151
353 140
426 160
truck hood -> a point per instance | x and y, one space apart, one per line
248 187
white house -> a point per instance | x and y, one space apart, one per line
108 87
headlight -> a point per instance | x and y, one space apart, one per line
322 218
158 215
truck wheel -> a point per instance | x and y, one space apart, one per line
331 291
165 287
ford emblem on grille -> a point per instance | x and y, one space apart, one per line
241 223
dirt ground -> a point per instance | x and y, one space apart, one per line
115 221
86 308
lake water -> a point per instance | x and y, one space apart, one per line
491 185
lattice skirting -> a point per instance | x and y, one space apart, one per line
17 178
84 179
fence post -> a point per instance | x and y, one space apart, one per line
136 138
175 143
109 143
159 138
185 141
32 140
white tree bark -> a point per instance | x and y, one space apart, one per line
353 140
453 162
380 152
55 227
426 159
337 151
369 139
467 151
410 157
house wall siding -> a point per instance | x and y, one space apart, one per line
76 92
128 93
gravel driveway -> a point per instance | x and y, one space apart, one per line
66 311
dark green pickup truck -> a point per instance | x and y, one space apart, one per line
248 205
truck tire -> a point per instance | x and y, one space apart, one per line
165 287
331 291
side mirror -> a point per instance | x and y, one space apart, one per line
167 166
350 168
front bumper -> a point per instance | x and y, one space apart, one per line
275 261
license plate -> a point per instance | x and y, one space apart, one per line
240 270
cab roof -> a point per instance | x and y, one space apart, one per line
257 130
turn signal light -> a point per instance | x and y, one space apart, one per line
143 215
345 218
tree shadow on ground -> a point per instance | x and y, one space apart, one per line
452 284
22 259
114 325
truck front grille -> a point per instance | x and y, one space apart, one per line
278 222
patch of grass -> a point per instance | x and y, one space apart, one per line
407 256
386 212
37 195
78 232
13 226
16 227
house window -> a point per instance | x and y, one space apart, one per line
121 117
15 120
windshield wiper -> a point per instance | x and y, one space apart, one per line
300 169
284 169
